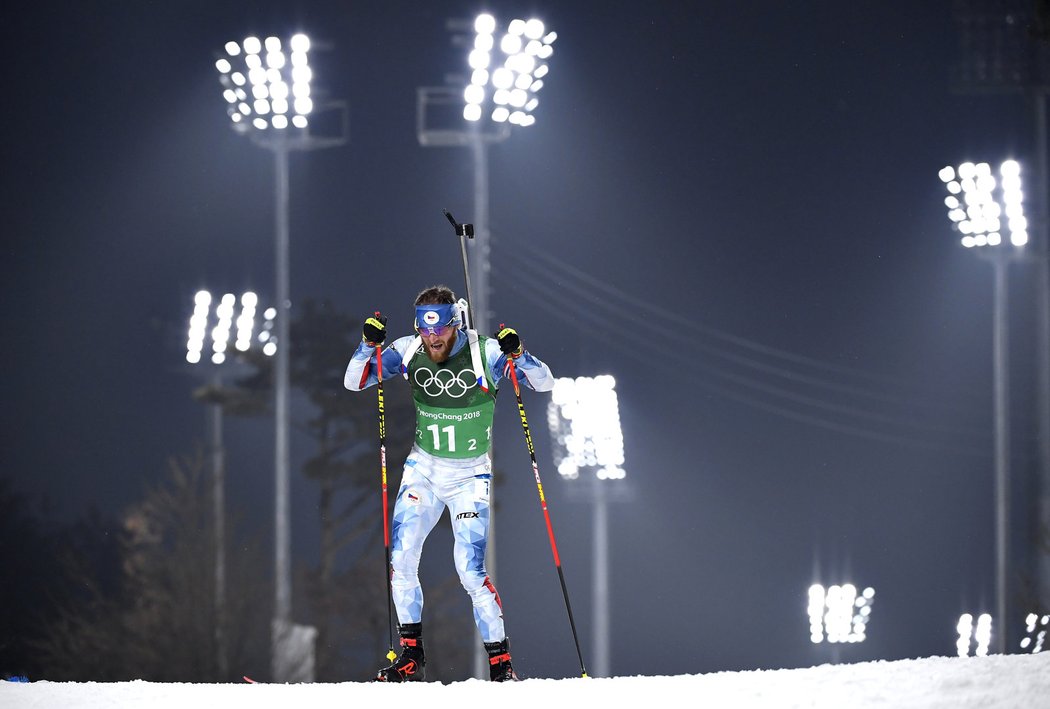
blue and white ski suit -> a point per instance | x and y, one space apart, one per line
432 481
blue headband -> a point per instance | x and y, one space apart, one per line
437 315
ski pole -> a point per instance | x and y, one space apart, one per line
391 655
543 504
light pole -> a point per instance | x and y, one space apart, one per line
268 88
584 419
202 328
507 68
982 209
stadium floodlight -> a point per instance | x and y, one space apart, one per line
973 637
223 325
839 614
507 70
984 209
268 89
266 83
584 419
1035 633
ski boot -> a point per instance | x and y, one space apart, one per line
500 669
410 666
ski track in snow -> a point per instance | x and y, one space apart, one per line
1006 682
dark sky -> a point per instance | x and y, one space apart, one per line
733 208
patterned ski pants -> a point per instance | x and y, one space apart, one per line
428 485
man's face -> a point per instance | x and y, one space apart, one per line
439 346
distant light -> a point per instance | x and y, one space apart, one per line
220 329
275 60
976 637
534 29
485 24
583 416
513 64
983 634
479 59
273 76
986 200
839 614
472 112
1035 633
474 94
510 44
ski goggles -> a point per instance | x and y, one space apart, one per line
436 319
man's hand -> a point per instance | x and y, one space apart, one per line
374 330
509 342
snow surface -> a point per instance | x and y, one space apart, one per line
1010 681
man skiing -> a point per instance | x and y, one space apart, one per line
453 373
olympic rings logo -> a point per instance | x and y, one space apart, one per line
444 381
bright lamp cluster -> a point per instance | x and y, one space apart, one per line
1035 633
584 419
973 636
224 325
983 209
839 614
506 76
266 84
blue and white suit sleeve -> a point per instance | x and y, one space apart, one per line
361 371
532 372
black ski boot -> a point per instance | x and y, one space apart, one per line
411 665
500 669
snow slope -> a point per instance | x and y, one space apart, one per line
1011 681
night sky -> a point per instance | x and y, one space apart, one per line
732 208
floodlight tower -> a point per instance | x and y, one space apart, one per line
201 328
267 85
839 614
584 419
507 68
984 209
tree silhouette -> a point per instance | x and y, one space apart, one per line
158 624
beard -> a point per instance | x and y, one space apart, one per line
442 352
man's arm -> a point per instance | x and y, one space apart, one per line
361 371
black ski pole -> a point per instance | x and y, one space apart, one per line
391 655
